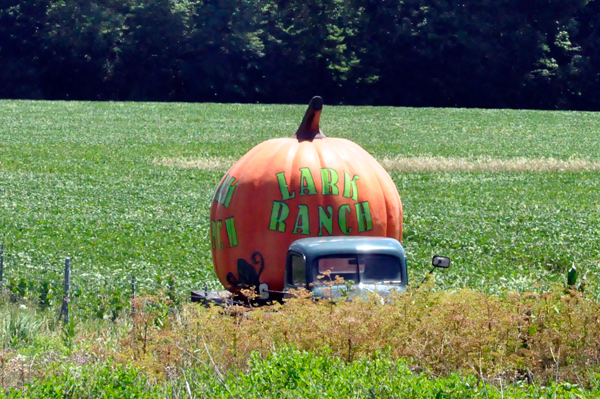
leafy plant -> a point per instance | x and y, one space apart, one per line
18 326
69 331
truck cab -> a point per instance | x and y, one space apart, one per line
366 264
317 264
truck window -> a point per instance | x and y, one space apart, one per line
298 270
379 268
342 266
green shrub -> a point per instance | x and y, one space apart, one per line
291 373
87 381
285 373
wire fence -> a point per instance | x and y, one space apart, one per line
85 294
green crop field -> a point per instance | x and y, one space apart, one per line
125 188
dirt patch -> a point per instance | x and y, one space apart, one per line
204 163
441 164
423 164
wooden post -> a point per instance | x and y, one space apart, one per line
132 292
65 305
1 267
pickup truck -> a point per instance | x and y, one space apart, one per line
366 264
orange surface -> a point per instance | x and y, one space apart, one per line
256 193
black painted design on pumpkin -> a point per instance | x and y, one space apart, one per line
247 275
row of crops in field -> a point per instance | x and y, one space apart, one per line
124 189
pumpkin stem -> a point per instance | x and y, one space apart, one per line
309 128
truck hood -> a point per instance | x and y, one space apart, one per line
356 290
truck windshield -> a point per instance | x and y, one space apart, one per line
344 266
378 268
367 269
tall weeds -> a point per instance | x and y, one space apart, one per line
550 337
18 326
532 338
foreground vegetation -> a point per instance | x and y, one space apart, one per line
287 373
476 345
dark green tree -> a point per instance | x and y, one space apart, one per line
80 48
222 51
310 50
21 34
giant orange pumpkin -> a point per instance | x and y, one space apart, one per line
290 188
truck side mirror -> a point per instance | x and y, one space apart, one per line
441 261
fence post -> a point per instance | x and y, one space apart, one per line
132 292
1 267
65 305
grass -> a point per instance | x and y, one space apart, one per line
93 181
125 188
83 180
287 373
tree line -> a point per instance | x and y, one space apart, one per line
541 54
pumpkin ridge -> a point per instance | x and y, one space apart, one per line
380 174
391 204
370 161
321 163
262 147
341 155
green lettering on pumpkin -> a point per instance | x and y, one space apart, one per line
283 187
350 188
279 213
342 219
302 221
216 234
307 182
325 220
213 229
329 178
231 234
225 191
363 216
